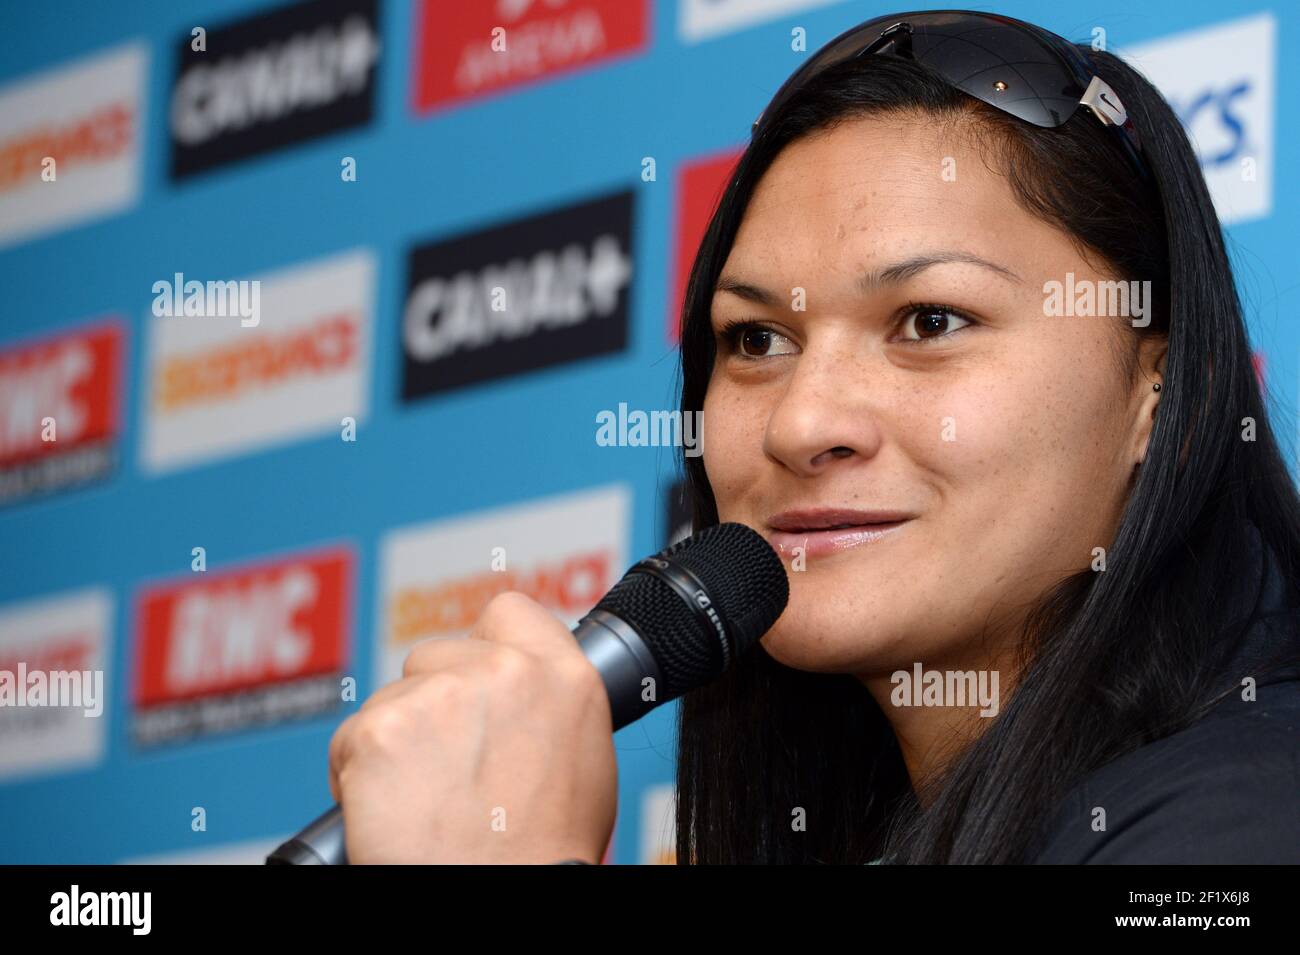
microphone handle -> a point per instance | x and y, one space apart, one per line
614 648
320 843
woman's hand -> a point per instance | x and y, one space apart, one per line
498 748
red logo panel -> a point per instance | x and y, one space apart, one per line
73 378
256 644
59 401
471 49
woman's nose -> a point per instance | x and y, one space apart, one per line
827 412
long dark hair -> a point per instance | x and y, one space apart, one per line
1110 660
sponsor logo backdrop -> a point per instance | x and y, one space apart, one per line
245 511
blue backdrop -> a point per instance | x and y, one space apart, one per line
457 169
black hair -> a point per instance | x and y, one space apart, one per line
1111 660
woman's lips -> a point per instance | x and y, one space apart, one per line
824 541
819 531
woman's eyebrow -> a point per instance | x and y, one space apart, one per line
890 274
907 268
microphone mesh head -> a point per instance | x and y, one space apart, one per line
746 584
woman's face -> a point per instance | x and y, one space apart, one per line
919 383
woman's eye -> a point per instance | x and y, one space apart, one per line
756 341
924 322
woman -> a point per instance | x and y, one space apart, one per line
981 459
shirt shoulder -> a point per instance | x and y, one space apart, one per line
1224 790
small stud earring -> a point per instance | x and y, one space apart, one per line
1156 386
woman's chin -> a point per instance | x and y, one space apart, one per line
814 648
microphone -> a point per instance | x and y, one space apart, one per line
673 623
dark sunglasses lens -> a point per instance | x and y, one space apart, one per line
1000 64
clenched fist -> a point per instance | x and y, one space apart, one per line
493 749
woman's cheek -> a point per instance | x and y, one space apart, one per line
983 465
731 446
1013 493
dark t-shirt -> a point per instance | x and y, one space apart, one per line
1225 789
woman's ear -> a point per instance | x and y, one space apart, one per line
1149 383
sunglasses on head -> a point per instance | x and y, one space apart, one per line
1013 66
